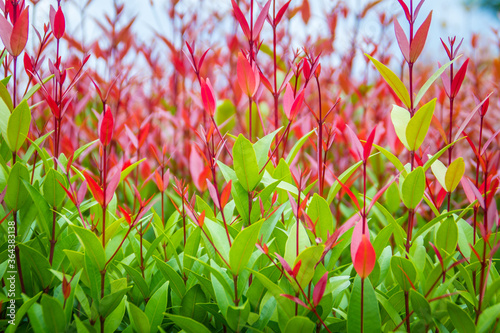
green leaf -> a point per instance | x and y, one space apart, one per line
460 319
296 147
52 190
129 169
243 247
447 236
263 146
392 158
284 303
156 307
20 312
138 280
309 258
371 311
39 264
92 245
188 324
5 96
400 118
320 213
53 314
237 316
245 164
421 306
16 195
439 171
393 81
403 269
35 88
413 188
299 324
189 305
454 174
431 80
434 157
172 276
291 243
115 318
109 302
18 126
138 319
419 125
44 213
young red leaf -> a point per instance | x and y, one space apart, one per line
285 265
224 197
356 237
248 76
241 19
259 23
405 9
367 149
348 191
404 46
297 104
201 219
81 192
418 42
67 192
459 79
365 258
207 97
126 215
19 36
95 189
106 130
58 25
295 299
296 268
319 289
438 255
281 12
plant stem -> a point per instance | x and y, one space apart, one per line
320 141
275 68
236 300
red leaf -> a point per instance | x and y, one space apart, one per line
58 25
305 10
241 19
207 97
319 289
296 268
28 65
365 258
297 104
67 192
224 197
295 299
348 191
81 192
285 265
19 35
367 149
356 237
438 255
201 219
5 33
288 100
259 23
248 76
281 12
106 130
159 181
404 46
418 42
126 215
459 79
405 9
111 186
95 189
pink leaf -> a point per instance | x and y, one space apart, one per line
356 145
112 185
259 23
288 100
319 289
248 76
402 40
418 41
295 299
285 265
405 9
213 193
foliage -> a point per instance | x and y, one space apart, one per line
246 187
